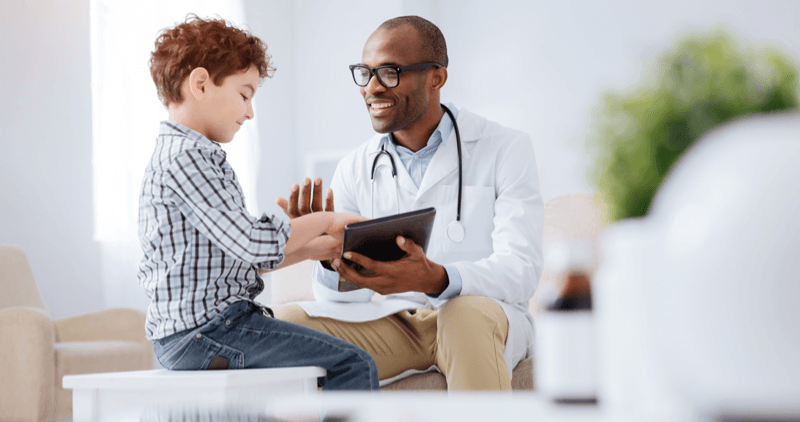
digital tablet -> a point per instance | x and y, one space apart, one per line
377 239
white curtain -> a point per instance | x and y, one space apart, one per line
126 116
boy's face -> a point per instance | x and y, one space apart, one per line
228 106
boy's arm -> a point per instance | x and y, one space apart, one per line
325 282
318 249
213 205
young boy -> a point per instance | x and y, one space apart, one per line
202 251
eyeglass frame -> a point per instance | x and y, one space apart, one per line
398 69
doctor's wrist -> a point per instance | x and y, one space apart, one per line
441 281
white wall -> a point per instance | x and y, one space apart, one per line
542 67
273 22
45 149
537 66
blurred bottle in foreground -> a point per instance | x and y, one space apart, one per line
565 338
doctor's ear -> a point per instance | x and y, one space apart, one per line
198 81
439 78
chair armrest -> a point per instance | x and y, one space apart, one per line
112 324
27 364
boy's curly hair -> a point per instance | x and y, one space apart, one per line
213 44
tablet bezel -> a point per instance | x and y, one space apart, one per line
381 232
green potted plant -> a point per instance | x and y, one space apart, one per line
702 83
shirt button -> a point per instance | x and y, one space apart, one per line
416 157
198 336
228 322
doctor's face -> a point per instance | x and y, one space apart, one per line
394 109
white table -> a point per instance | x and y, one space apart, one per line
389 406
97 395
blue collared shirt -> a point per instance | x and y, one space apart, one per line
417 163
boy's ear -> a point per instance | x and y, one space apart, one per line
198 81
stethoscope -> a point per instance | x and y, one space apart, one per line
455 230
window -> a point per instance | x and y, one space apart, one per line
126 114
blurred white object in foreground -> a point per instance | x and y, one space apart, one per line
723 295
716 263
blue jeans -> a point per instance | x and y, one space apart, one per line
242 336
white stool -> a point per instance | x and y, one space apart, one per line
98 395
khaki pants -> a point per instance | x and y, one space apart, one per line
465 339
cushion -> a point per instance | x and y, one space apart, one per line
16 280
521 379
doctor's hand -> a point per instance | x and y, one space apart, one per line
412 273
303 201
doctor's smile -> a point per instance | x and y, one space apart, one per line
378 108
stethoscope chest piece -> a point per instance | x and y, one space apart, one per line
455 231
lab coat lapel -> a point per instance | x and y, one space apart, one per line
445 160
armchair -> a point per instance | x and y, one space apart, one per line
38 351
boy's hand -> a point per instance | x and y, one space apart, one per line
340 220
323 248
302 201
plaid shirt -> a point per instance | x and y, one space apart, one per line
202 250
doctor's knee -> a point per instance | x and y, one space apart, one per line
463 318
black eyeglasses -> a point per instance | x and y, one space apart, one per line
388 76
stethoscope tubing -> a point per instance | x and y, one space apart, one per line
458 147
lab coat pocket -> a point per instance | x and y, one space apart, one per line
477 216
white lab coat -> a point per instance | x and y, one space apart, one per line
502 211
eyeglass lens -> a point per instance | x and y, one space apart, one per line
387 75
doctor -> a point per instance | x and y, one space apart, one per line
463 308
